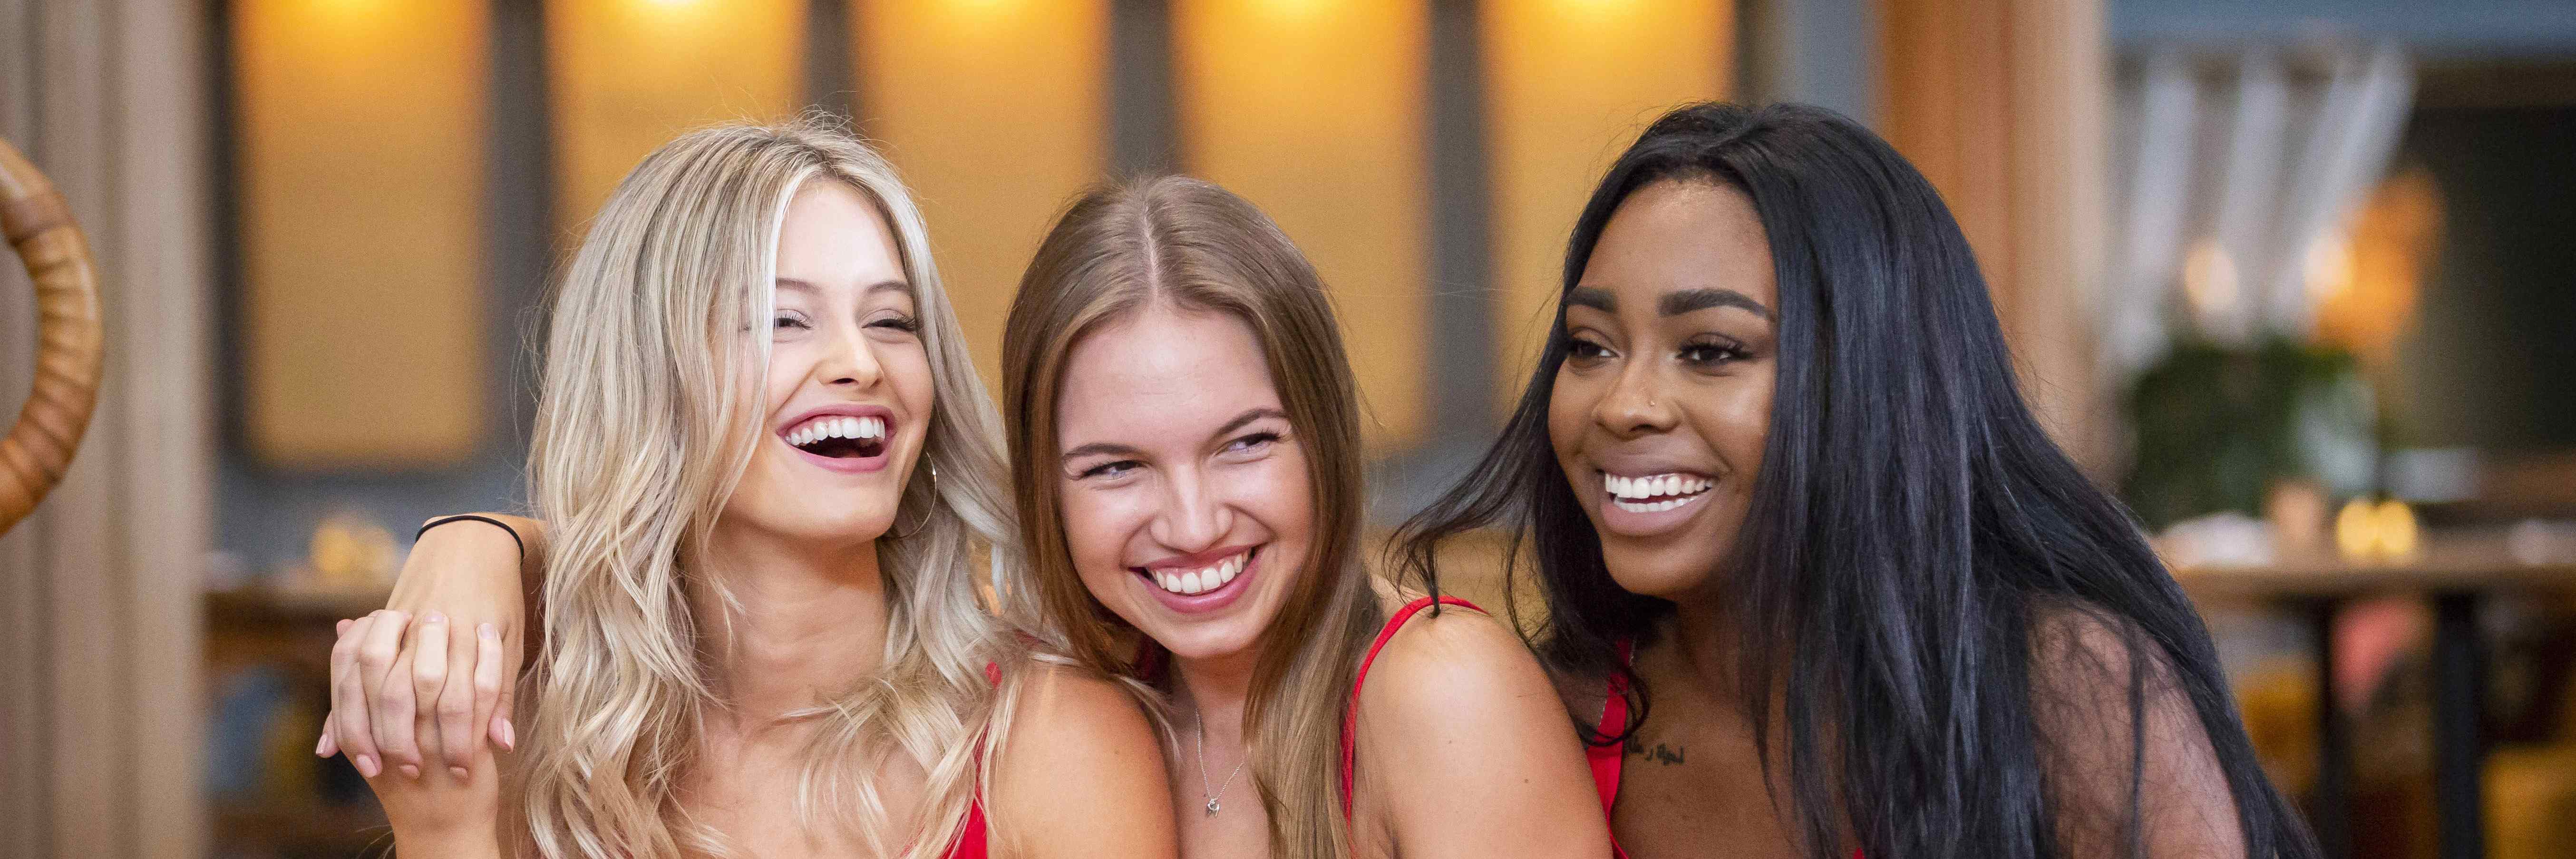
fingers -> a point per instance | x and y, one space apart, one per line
389 691
456 701
487 680
502 655
350 721
425 651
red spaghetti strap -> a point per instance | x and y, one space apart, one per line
1605 759
1351 716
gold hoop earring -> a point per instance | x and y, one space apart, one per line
925 514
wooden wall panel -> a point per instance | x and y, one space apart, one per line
2003 104
1313 110
1569 85
995 113
100 737
360 172
626 76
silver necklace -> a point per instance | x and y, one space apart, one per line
1219 792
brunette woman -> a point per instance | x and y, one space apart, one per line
1816 581
1184 437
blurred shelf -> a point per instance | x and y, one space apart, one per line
334 830
266 607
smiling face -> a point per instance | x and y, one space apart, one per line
848 393
1661 410
1183 487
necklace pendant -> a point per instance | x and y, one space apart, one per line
1212 807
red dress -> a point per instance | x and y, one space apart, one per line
1351 718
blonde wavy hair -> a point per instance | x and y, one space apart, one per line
650 408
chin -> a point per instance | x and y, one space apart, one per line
1216 642
1655 575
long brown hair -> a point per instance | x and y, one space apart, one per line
1190 244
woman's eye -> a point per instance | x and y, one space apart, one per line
1584 349
1110 469
1711 353
906 324
790 320
1251 443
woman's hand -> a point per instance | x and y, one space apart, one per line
452 810
393 712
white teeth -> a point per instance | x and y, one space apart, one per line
1640 488
1199 581
871 428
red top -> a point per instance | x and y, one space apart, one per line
970 836
1351 721
1605 759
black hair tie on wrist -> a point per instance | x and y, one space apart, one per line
496 523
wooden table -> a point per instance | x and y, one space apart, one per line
2456 573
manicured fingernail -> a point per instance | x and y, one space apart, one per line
319 744
367 766
486 631
509 735
458 772
433 617
410 771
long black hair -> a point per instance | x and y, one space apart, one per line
1910 532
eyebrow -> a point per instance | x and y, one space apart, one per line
1683 301
879 286
1100 448
1673 303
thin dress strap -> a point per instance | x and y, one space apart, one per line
1351 718
1606 758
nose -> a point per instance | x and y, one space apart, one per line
848 361
1193 517
1636 404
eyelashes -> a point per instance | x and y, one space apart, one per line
905 324
1706 350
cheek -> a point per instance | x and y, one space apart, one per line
1739 422
1569 407
908 368
788 367
1095 529
1284 498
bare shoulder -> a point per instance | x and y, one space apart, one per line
1457 655
2109 704
1080 765
1067 710
2084 658
1439 666
1465 749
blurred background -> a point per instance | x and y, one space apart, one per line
2292 276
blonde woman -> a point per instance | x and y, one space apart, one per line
763 462
1184 435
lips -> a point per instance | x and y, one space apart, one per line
1203 582
1649 503
848 438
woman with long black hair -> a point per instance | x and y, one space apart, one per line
1814 576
